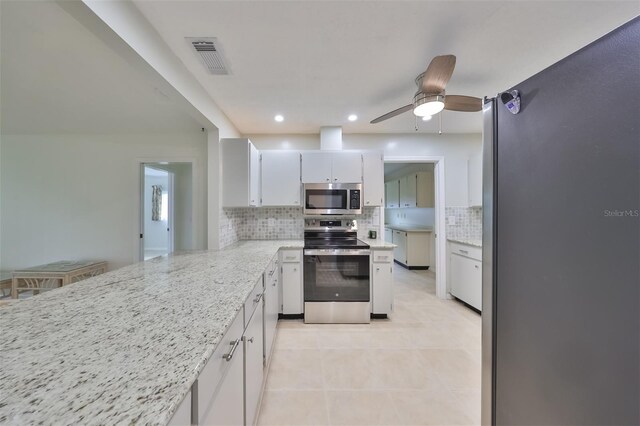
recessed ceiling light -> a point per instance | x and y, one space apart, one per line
353 117
426 118
279 118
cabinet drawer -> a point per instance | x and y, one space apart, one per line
383 256
214 371
253 301
466 250
289 256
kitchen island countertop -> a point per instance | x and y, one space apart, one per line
125 346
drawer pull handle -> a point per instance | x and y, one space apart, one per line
464 251
234 345
257 299
250 340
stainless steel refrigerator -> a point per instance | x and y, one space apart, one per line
561 266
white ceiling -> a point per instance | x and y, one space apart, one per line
315 62
58 77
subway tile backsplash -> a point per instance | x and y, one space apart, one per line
468 222
273 223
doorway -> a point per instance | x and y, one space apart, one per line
166 208
426 216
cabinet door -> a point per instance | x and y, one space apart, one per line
408 191
271 309
382 288
417 253
316 167
254 365
291 289
393 194
280 178
373 178
221 383
425 190
346 167
466 280
400 253
182 416
254 176
236 175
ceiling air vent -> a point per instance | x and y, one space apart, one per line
210 54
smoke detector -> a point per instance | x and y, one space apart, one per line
210 54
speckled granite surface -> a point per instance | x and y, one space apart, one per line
123 347
475 243
409 228
379 244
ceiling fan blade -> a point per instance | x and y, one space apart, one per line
462 103
438 74
392 113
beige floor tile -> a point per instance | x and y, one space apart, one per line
434 407
347 369
361 408
293 408
402 369
456 368
297 338
425 358
295 369
469 402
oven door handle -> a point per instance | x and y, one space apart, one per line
337 252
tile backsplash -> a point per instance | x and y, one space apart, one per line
273 223
468 222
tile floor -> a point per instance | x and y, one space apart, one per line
419 367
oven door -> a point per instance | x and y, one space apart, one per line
336 275
326 200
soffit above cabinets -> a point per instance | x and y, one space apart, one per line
316 62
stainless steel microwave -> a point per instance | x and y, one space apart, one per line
332 198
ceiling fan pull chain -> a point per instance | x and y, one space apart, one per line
440 121
416 122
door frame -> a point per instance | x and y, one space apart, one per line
138 194
439 225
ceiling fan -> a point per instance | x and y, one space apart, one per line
430 98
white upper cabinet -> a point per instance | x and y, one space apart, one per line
331 167
474 175
373 178
240 173
316 167
280 178
346 167
417 190
392 189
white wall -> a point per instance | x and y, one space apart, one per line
456 149
77 196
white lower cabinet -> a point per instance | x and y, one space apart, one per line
220 387
466 274
271 309
413 248
182 416
382 281
253 366
291 279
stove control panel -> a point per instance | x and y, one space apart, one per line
331 224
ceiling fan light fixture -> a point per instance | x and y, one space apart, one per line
426 118
427 104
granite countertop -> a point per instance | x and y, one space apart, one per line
379 244
125 346
409 228
469 242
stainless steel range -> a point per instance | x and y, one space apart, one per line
337 285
